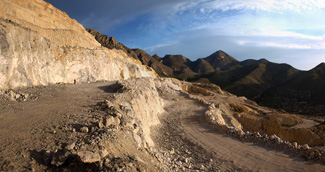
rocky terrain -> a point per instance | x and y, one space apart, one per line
69 104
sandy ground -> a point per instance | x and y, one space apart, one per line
45 123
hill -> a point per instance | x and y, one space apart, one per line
303 93
251 78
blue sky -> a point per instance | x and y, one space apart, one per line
282 31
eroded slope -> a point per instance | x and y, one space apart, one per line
41 45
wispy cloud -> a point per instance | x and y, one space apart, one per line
265 5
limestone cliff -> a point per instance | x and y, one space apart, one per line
40 45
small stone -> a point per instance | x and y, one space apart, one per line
17 96
137 139
100 124
88 157
172 152
47 157
111 121
70 146
11 95
306 147
295 145
26 96
84 130
103 153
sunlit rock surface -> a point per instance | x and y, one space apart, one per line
40 45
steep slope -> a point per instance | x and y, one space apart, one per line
41 45
202 66
139 54
304 93
181 65
107 41
152 62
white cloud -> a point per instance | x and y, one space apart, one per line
266 5
286 45
158 46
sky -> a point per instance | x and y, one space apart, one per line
281 31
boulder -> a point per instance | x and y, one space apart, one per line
88 157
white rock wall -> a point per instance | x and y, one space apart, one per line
146 102
54 48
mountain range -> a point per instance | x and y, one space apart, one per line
270 84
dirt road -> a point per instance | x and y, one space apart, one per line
244 156
45 123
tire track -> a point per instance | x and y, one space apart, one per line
244 155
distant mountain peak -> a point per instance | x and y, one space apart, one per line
220 58
221 55
177 57
156 56
321 66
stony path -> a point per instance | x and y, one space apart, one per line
245 156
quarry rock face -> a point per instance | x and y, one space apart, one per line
41 45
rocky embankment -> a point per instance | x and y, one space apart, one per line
235 117
118 137
41 45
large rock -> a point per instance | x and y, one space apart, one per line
41 45
88 157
